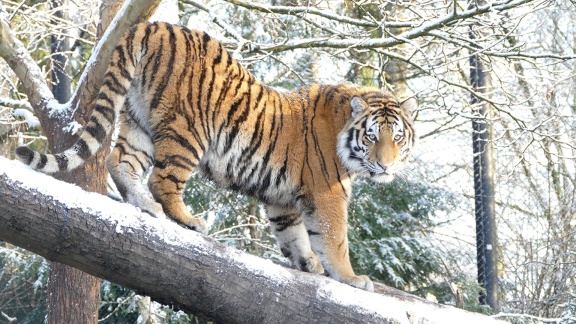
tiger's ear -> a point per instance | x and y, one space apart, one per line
409 105
358 106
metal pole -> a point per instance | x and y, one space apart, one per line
486 242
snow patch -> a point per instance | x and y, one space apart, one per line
400 309
72 128
57 109
363 301
28 117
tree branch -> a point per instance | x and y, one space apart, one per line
417 28
33 80
298 11
182 268
131 12
24 66
23 104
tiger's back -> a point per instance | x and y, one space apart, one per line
185 104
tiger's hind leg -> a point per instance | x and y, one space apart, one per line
131 157
292 237
172 169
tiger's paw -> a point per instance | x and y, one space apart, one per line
197 224
153 208
310 264
361 282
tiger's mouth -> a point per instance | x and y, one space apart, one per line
383 177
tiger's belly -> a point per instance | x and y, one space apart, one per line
249 175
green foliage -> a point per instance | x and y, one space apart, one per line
463 292
389 232
23 280
119 305
116 304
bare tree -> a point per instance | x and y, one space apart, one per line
75 296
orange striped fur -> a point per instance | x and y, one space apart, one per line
185 104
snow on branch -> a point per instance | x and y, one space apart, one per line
16 55
185 269
217 20
297 11
22 104
417 29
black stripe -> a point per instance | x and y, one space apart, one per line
305 93
180 184
210 91
317 141
82 149
130 44
168 73
113 84
121 147
43 161
95 129
156 57
193 130
179 161
124 141
255 143
106 112
282 222
62 162
170 134
282 172
129 164
227 91
144 75
173 179
182 76
265 183
104 96
145 41
122 63
25 153
203 67
339 177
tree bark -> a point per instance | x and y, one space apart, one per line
73 295
178 267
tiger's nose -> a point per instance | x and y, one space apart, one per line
384 166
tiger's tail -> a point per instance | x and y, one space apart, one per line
110 100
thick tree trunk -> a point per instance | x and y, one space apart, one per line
73 295
176 266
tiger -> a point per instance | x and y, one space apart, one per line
184 104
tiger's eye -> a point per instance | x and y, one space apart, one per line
371 137
398 138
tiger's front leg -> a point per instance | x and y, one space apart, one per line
327 228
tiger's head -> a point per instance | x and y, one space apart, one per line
378 138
